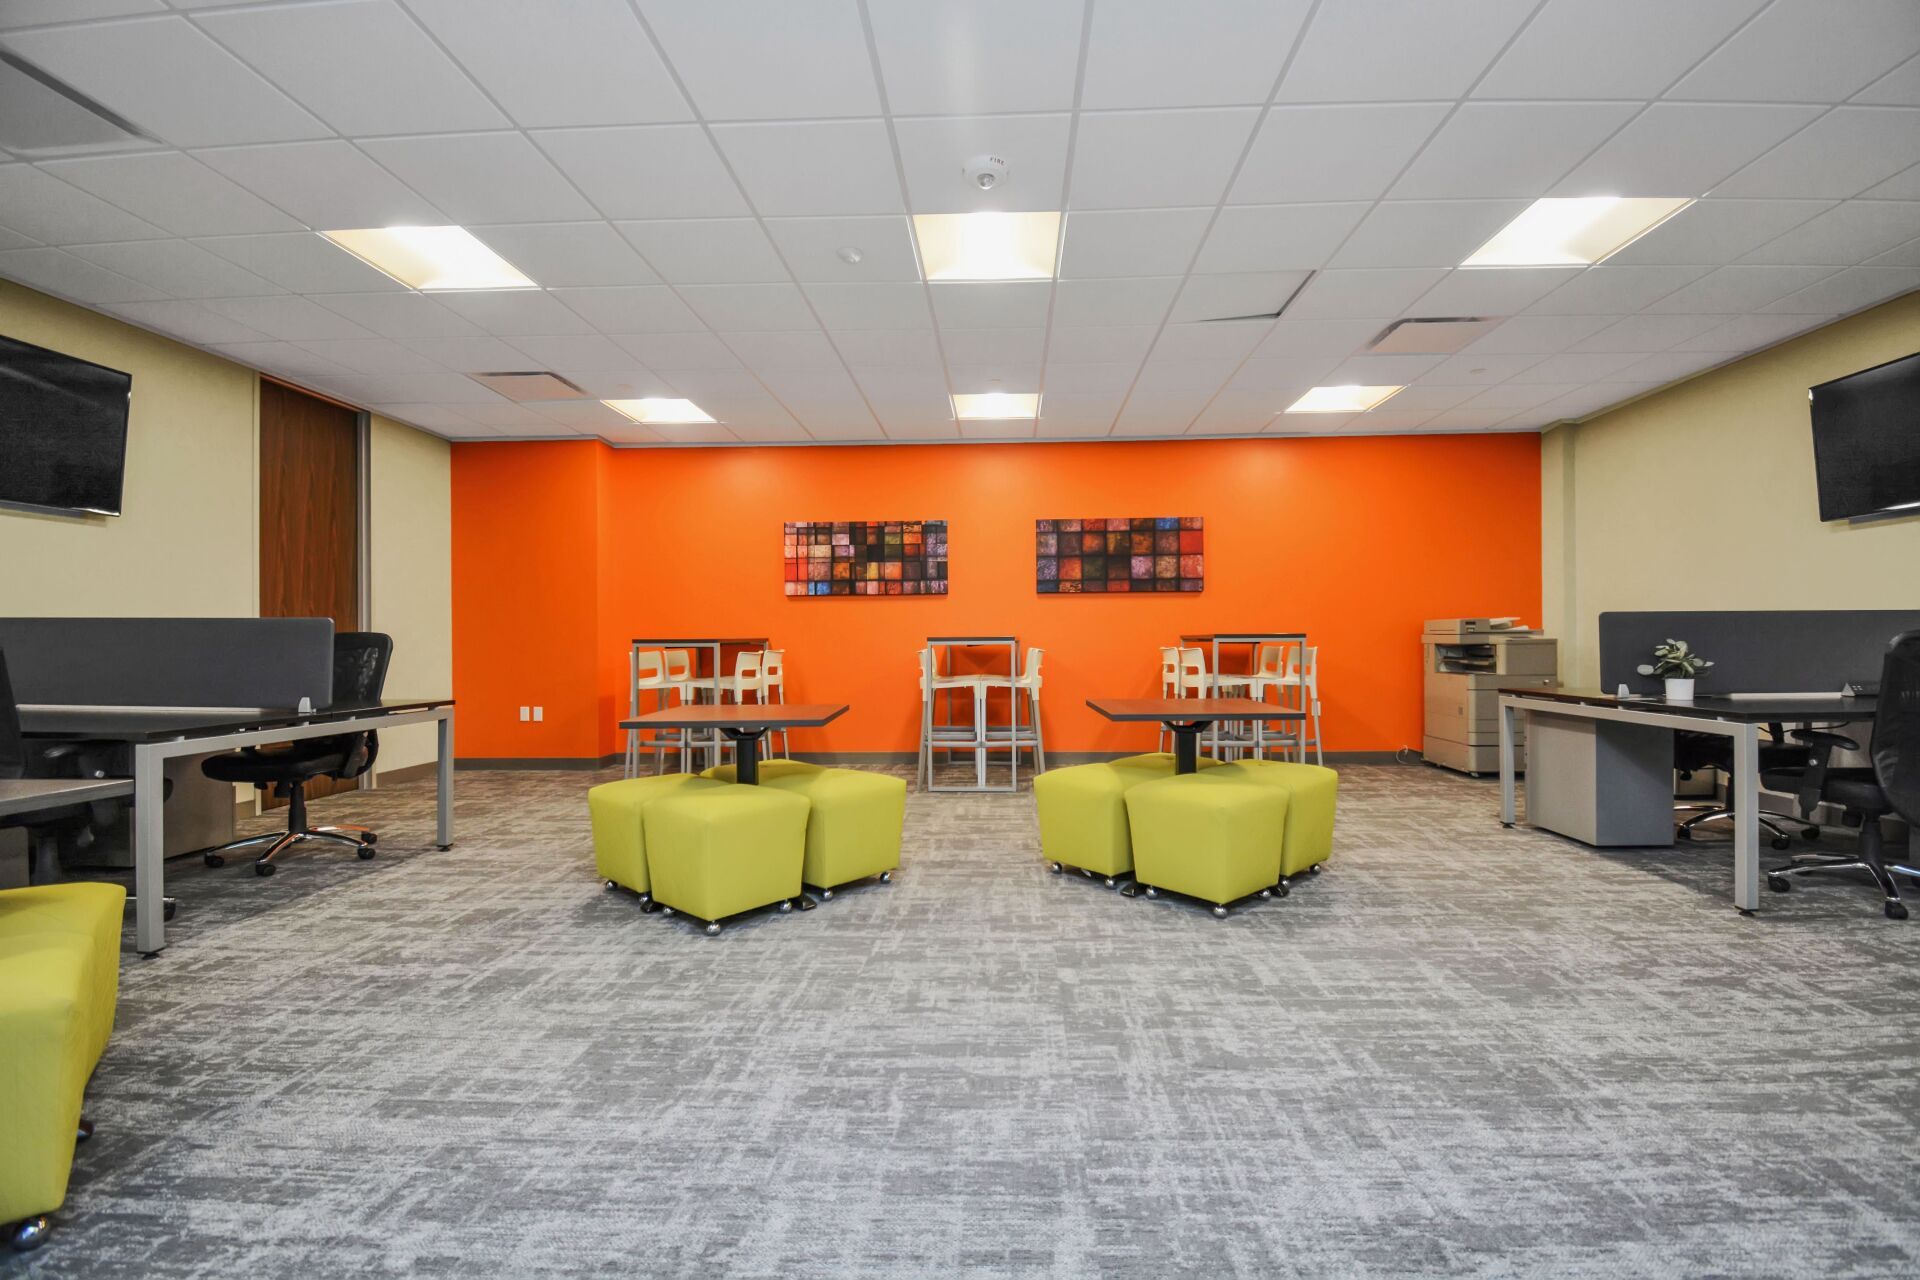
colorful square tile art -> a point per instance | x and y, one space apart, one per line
866 557
1119 555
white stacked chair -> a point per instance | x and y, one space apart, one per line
746 679
942 737
773 688
1021 686
1297 669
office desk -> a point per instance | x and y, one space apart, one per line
159 734
1736 718
29 795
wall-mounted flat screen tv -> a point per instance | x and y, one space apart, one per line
1866 440
63 430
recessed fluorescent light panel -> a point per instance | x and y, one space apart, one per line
1574 233
1342 399
655 412
987 246
996 406
429 258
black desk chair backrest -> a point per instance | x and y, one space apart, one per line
1896 726
360 661
13 744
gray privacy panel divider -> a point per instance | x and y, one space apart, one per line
170 662
1755 651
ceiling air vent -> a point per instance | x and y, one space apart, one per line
1438 335
40 117
536 385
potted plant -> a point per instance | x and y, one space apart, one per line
1679 665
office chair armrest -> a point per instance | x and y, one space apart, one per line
1813 782
1821 738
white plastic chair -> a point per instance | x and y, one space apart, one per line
1025 685
773 688
653 674
940 737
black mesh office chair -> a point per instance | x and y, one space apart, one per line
1890 785
359 675
1693 752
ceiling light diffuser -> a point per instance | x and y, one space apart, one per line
658 412
1576 232
996 406
431 258
987 246
1342 399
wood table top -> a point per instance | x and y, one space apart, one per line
1188 709
776 715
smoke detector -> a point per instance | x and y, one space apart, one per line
984 173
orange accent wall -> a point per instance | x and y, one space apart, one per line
563 551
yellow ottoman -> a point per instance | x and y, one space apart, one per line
1311 793
1083 814
1208 836
619 835
84 909
47 982
725 848
854 825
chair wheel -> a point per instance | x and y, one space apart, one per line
264 868
1683 833
1810 833
1779 884
1896 911
366 852
1055 867
1219 912
213 860
168 907
369 837
1781 842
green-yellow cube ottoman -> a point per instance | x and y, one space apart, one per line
721 849
1208 836
47 981
854 826
84 909
1083 813
619 835
1311 792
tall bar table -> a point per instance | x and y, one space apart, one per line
717 647
980 741
1253 640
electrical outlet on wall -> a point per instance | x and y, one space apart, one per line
526 713
539 713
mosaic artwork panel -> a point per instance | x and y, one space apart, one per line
866 557
1119 555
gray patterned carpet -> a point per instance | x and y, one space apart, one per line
1462 1050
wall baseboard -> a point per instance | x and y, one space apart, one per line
867 759
580 764
406 773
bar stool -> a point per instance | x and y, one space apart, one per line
938 737
773 688
652 674
1025 684
745 680
1304 676
1169 688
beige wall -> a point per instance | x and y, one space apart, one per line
188 543
1702 497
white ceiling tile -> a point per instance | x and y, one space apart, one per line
420 388
1849 290
1341 294
558 254
815 167
1096 344
1425 233
1682 149
286 317
1582 404
1647 333
1297 337
1208 342
1715 232
1476 369
812 248
1234 413
1898 88
1200 53
768 59
1131 242
1012 429
583 415
34 13
1387 419
59 272
1845 235
1008 376
750 308
1432 399
1806 51
679 350
1666 366
1233 297
1619 49
1395 50
482 177
379 356
1902 186
1157 159
1497 291
14 240
1750 333
1614 291
1737 290
170 78
1277 237
1464 419
788 350
892 382
631 309
622 170
1091 379
432 417
173 191
585 63
836 428
187 320
911 420
1510 148
1520 395
986 55
330 186
1081 303
870 348
38 205
707 250
1844 151
363 66
993 346
279 357
468 355
1079 415
1282 375
626 383
1381 371
996 305
177 268
399 315
935 151
1165 413
894 304
1537 335
512 313
1575 367
1333 153
504 414
570 353
301 262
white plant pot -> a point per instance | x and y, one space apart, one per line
1679 690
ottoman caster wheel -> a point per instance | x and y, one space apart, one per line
264 868
1219 912
1266 893
30 1234
713 928
213 859
85 1130
1779 884
786 905
1152 892
667 910
1896 911
648 907
1314 870
611 886
1054 867
886 877
366 852
1110 882
826 895
1284 890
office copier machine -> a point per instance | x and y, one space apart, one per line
1468 662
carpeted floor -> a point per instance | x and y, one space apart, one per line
1462 1050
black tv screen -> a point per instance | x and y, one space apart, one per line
1866 440
63 430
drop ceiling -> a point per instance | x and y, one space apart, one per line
681 178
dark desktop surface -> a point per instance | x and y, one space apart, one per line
156 724
1759 708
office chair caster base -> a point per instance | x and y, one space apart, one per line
1779 884
168 906
1219 911
366 852
264 868
1781 842
713 928
1810 834
30 1234
1896 910
1055 868
213 860
84 1131
1683 833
